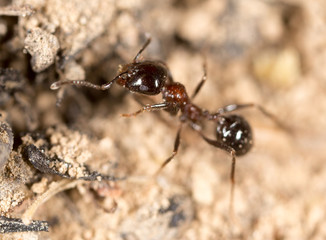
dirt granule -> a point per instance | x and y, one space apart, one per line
267 52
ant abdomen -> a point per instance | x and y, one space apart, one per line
147 77
234 131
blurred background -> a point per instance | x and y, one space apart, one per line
258 51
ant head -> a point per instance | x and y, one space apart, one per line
147 77
235 131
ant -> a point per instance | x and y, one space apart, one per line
148 77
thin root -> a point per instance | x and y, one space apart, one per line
54 188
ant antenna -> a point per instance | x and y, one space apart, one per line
84 83
149 39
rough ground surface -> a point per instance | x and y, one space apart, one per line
268 52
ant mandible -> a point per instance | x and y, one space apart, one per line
148 77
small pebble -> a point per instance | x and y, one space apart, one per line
6 143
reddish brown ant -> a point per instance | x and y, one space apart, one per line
233 132
145 77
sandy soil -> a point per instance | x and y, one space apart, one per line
68 142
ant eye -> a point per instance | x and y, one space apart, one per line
235 131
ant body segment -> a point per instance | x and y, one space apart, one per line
233 132
144 77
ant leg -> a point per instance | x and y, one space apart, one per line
175 151
143 48
235 107
147 108
232 173
84 83
203 80
139 99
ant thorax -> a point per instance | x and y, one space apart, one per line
175 93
